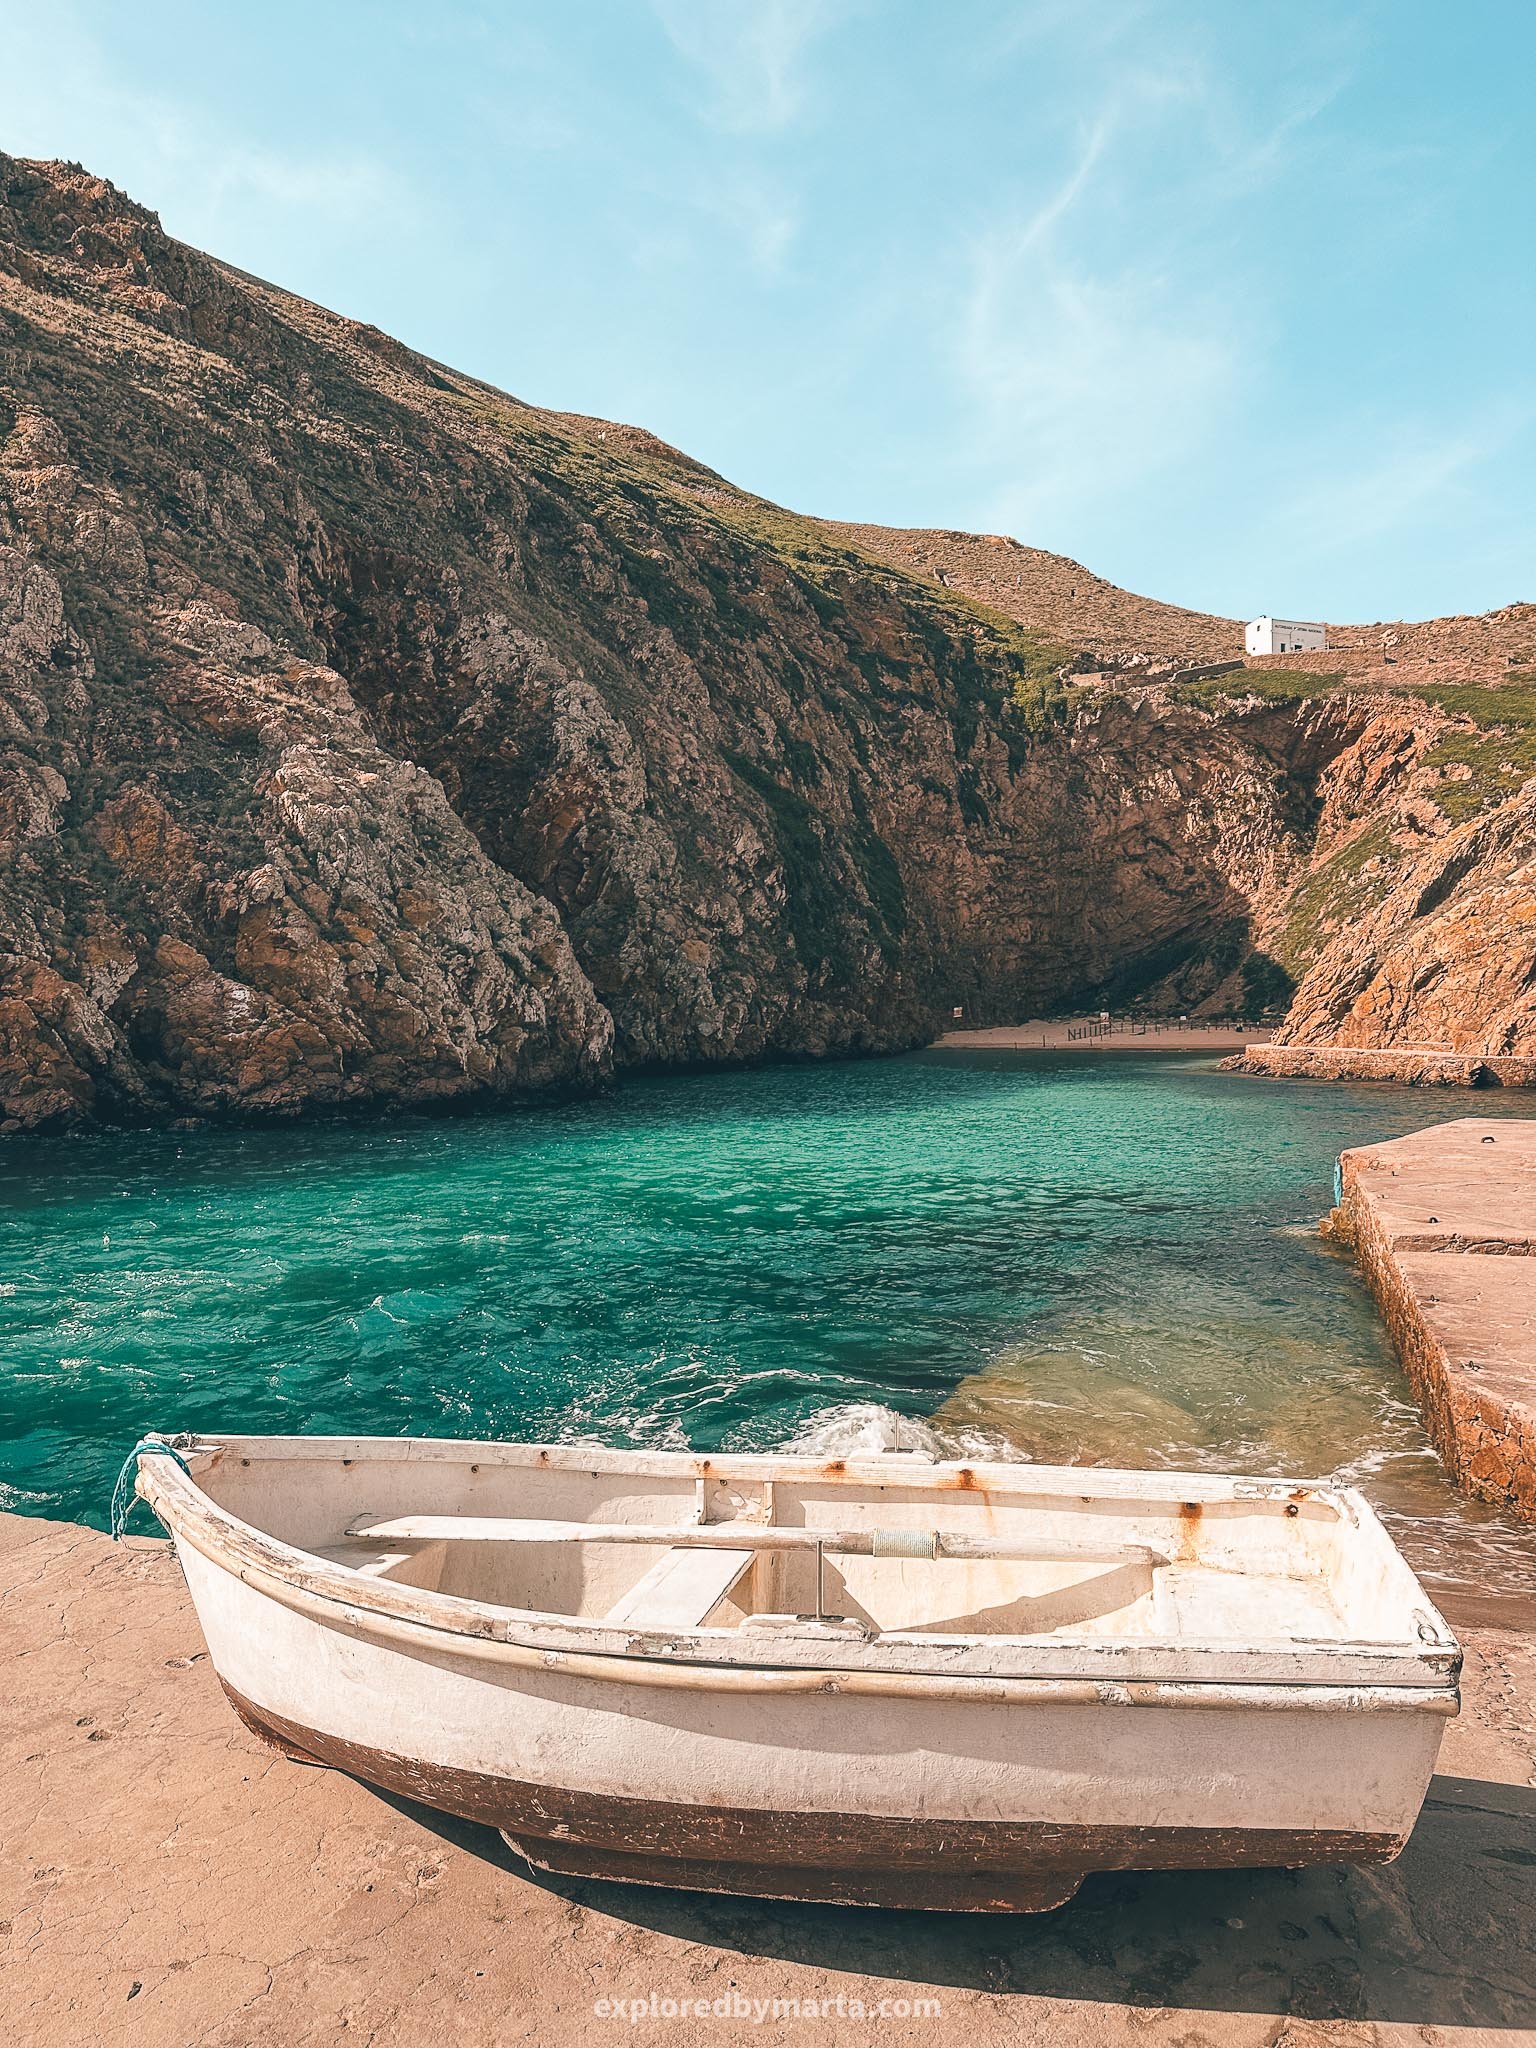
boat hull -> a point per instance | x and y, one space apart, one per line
941 1864
952 1803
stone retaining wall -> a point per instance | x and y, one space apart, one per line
1403 1064
1443 1224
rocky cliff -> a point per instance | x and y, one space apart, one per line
1410 924
370 736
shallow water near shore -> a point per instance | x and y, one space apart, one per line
1099 1258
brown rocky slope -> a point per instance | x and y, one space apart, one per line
1054 595
1050 592
371 737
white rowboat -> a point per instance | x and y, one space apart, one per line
878 1681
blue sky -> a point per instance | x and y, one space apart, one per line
1234 301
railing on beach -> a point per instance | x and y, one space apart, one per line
1058 1031
1144 1027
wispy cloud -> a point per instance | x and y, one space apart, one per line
1389 478
751 54
759 220
344 187
1031 24
1111 321
752 62
1087 370
58 89
1055 207
1086 382
762 216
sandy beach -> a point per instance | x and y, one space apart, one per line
167 1879
1082 1034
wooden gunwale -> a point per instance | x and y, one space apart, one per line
1066 1482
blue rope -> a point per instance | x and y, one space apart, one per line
122 1492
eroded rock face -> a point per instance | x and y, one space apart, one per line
1447 958
372 737
220 892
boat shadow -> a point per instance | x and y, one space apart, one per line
1441 1937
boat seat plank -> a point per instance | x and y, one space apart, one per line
366 1559
902 1542
680 1590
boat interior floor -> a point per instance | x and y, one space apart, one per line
679 1588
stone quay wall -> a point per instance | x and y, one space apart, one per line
1443 1224
1408 1065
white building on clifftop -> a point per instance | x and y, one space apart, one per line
1284 636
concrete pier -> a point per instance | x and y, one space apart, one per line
1444 1225
166 1879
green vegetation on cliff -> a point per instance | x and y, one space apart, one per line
1340 889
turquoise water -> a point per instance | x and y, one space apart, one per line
1103 1257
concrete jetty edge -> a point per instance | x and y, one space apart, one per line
1443 1224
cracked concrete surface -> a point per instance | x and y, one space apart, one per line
164 1879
